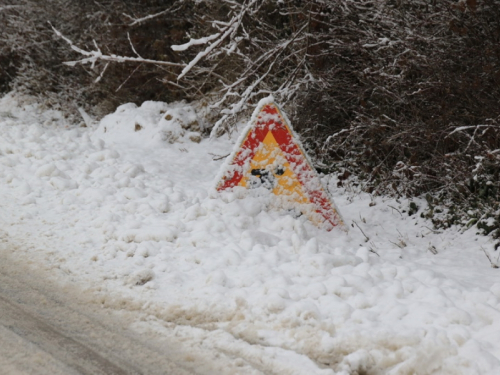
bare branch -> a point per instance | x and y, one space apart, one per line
149 17
366 237
493 265
94 56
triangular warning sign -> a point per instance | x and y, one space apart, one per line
269 155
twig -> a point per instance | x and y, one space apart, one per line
218 157
493 265
147 18
132 46
394 208
367 238
371 249
400 245
432 230
102 74
137 21
124 82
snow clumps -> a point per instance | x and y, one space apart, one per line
128 211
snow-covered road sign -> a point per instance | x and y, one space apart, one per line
269 155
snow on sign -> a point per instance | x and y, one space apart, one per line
269 155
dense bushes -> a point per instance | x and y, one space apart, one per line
31 56
402 94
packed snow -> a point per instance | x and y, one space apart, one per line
126 208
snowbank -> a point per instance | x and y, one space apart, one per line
127 210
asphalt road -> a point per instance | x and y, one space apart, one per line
45 330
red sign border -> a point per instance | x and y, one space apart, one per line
293 153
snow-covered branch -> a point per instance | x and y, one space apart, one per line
230 30
93 56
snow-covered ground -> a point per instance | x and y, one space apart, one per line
126 209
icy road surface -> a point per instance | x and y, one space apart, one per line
47 330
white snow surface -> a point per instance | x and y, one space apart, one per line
131 215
